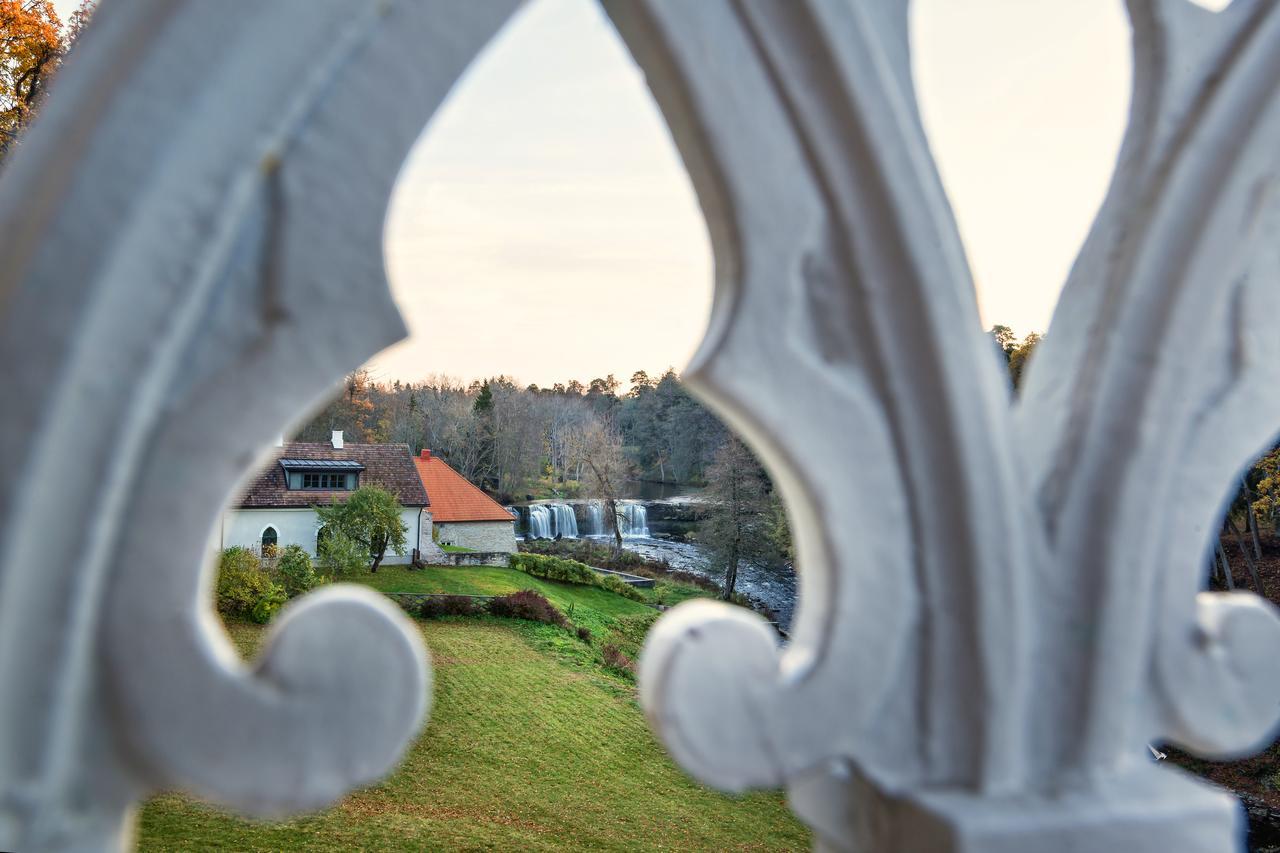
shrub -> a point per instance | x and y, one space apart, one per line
615 584
433 607
243 589
584 634
571 571
615 659
555 569
527 604
268 604
339 555
295 571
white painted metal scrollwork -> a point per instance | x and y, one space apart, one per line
205 193
990 685
192 245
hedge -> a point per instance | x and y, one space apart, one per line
571 571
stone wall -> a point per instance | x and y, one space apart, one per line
478 535
479 558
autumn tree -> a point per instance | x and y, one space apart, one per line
33 42
351 410
740 519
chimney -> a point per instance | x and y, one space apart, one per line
337 439
280 440
426 454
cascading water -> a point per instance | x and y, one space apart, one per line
633 518
595 518
539 522
564 524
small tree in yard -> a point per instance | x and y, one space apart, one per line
737 526
338 555
371 518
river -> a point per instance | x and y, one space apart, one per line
660 530
775 588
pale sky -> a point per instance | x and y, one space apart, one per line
544 226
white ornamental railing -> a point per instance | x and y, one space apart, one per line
191 241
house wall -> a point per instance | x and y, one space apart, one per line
478 535
299 527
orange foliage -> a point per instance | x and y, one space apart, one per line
33 41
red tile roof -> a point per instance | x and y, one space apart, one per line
452 497
385 465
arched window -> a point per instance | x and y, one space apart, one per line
321 535
269 538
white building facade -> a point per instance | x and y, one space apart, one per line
278 507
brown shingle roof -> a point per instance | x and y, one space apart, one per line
452 497
387 465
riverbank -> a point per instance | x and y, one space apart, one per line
769 592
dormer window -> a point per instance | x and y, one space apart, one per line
327 480
321 474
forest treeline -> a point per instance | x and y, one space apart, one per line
524 440
576 440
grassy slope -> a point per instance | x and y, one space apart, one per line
524 751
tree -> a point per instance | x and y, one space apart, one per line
352 410
1016 353
370 517
33 42
1004 338
338 555
599 446
739 516
1019 355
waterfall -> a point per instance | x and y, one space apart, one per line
633 519
517 517
595 518
563 521
539 522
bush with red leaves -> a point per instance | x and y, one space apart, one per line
527 604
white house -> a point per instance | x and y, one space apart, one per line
277 506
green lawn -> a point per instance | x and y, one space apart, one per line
525 751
